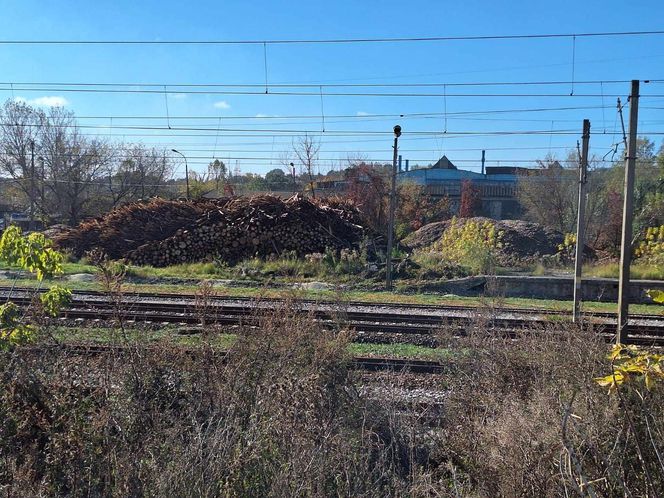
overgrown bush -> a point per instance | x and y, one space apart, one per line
331 263
525 417
651 248
473 244
434 265
278 416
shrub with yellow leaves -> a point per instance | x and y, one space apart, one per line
651 247
633 365
472 244
32 253
567 250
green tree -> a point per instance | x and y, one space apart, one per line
276 179
217 172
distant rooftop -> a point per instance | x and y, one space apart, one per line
443 163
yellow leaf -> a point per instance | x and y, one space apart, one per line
656 295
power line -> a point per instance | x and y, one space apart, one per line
236 155
338 40
360 117
175 86
282 131
315 94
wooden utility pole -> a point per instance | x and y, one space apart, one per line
393 205
580 221
628 209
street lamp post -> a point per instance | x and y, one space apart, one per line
186 169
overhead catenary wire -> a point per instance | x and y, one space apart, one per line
299 132
175 86
293 41
107 90
360 117
240 155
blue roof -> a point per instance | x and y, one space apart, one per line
430 175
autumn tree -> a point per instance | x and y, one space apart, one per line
415 208
368 187
471 201
610 235
548 195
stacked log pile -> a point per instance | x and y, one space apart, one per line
132 225
258 226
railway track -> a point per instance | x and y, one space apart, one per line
251 301
363 318
367 363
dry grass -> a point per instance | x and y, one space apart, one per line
525 418
282 415
279 417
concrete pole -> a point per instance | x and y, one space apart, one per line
186 169
628 212
32 185
580 221
393 205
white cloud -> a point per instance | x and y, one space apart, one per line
179 96
47 101
222 104
362 113
260 115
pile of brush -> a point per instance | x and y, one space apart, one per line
258 226
162 233
132 225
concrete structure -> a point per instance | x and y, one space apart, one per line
497 186
549 287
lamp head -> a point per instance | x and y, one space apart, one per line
397 131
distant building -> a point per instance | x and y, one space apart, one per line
497 186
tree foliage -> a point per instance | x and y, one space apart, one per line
472 244
471 201
633 365
34 254
415 208
548 195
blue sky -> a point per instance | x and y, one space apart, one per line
428 62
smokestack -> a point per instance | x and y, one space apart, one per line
483 153
406 164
